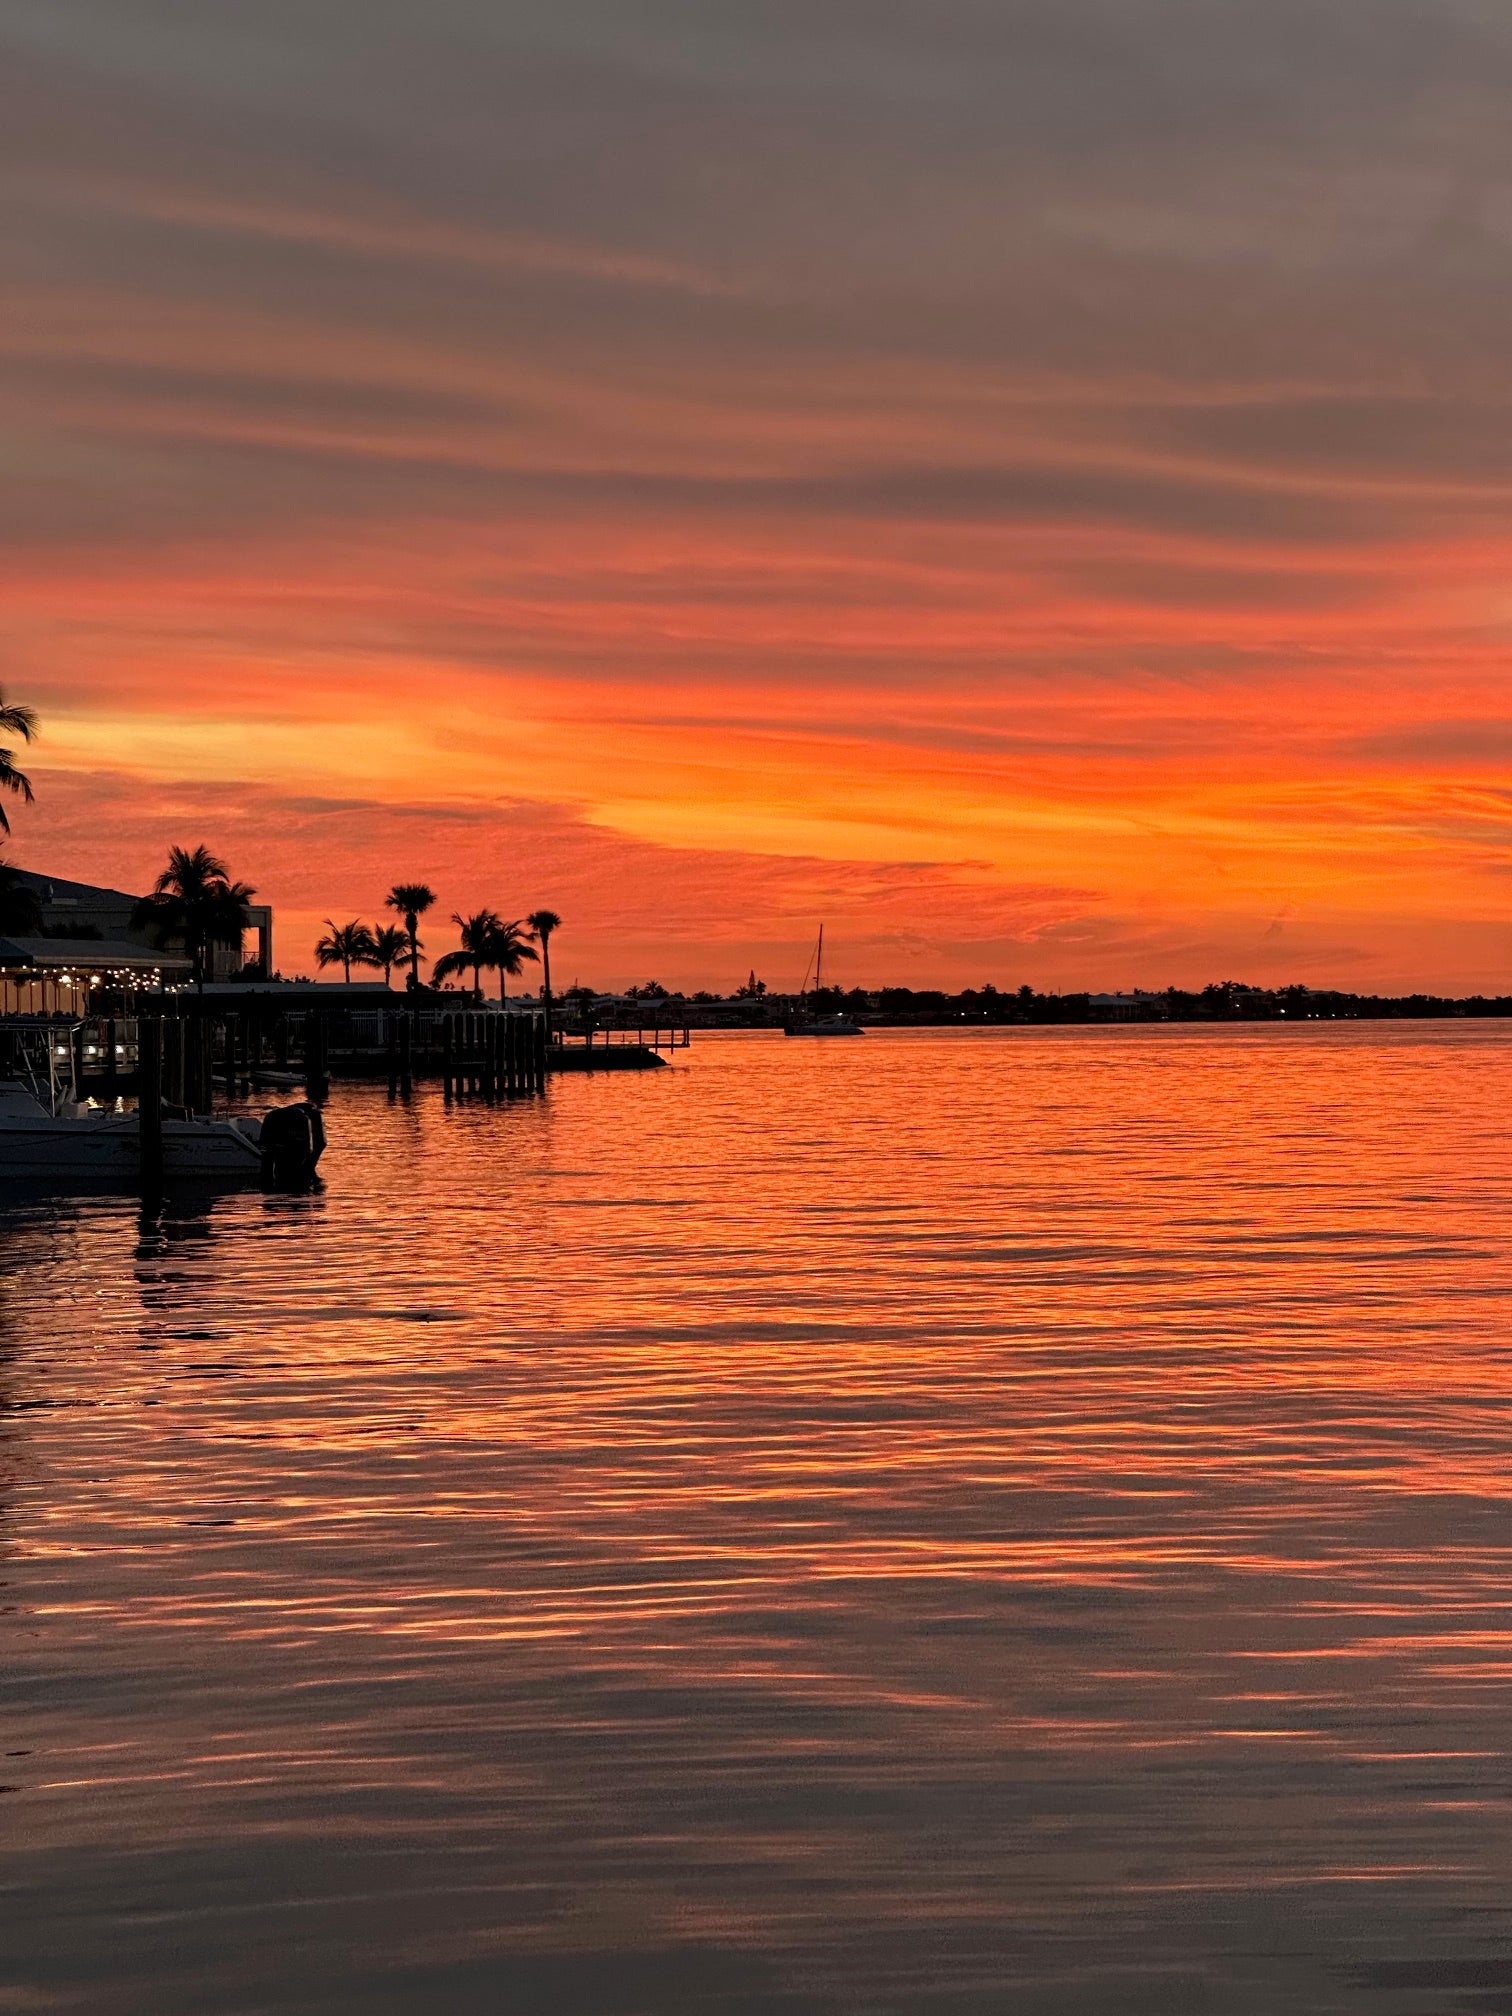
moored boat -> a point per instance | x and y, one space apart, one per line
77 1140
821 1025
47 1133
804 1021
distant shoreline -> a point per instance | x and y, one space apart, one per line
905 1008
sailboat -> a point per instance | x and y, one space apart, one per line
804 1022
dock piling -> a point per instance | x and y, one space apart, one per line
315 1049
150 1100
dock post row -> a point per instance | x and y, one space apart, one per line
200 1050
493 1056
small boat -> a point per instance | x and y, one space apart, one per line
799 1024
76 1139
804 1022
47 1132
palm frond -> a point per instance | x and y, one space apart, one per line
509 947
17 720
410 899
12 779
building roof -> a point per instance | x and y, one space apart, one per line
58 889
86 954
358 992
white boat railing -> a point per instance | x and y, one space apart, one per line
32 1050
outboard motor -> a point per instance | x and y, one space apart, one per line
292 1142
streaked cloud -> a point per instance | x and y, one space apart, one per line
827 441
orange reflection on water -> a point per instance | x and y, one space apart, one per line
826 1526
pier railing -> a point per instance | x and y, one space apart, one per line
663 1028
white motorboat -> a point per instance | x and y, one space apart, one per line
78 1140
822 1025
48 1132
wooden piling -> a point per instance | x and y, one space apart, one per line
316 1074
447 1058
169 1028
150 1099
406 1047
230 1027
204 1062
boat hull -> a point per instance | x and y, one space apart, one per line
110 1148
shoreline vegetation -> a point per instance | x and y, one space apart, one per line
988 1006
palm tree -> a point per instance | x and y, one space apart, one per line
543 923
509 949
389 944
348 945
411 900
22 721
479 938
20 905
194 899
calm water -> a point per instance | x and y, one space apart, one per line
1016 1522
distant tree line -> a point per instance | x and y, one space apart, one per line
1220 1001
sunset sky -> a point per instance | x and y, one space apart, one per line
1025 482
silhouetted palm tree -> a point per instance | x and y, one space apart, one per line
543 923
511 948
479 943
22 721
411 900
195 899
389 944
20 905
348 945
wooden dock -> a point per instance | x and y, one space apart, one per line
295 1042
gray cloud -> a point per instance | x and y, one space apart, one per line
1186 276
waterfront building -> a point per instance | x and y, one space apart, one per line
88 942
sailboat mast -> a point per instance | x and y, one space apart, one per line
819 963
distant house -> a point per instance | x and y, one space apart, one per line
1135 1007
88 941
